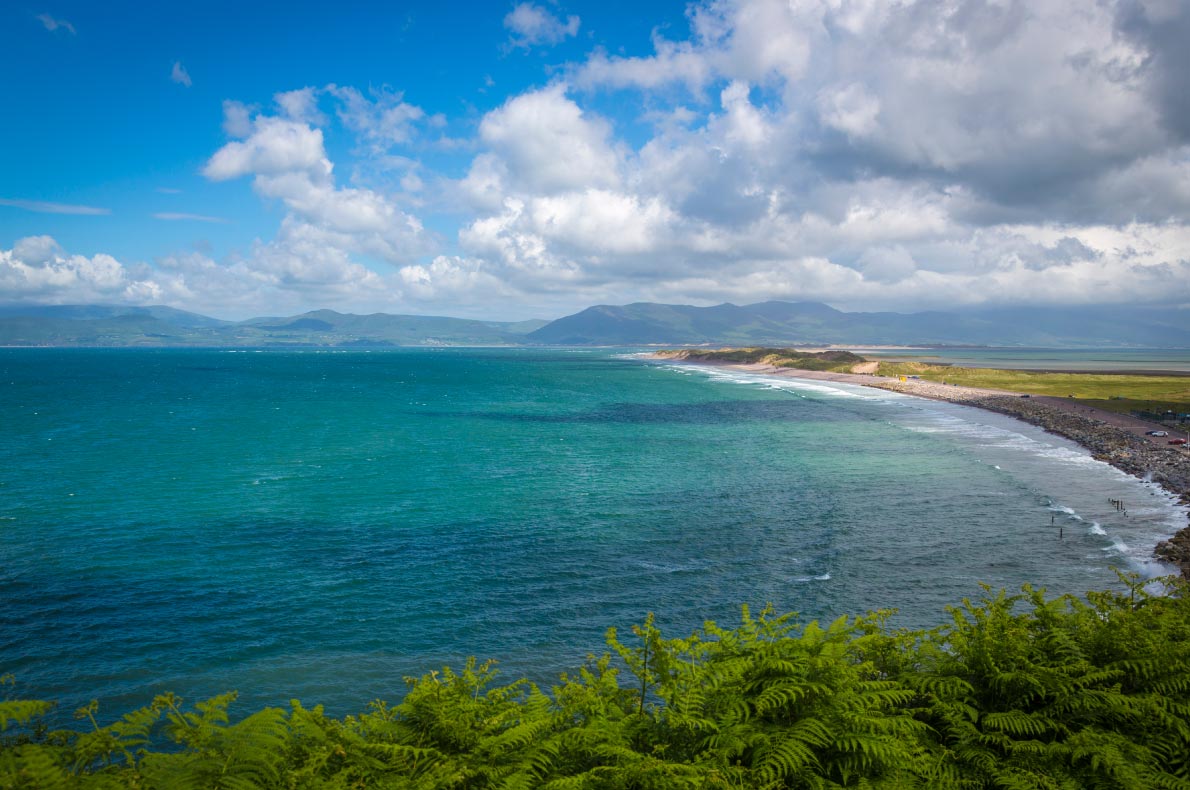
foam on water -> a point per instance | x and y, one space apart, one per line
1024 450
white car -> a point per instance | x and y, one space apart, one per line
1156 433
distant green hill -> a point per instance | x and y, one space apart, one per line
643 323
812 323
107 325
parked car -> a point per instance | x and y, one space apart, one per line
1156 433
1177 441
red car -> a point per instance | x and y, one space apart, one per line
1177 441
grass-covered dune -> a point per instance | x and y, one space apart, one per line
835 361
1117 392
1014 692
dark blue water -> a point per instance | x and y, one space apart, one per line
319 525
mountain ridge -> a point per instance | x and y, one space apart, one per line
770 323
813 323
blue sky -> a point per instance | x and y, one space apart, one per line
529 159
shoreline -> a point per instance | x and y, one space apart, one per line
1115 439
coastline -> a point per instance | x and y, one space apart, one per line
1116 439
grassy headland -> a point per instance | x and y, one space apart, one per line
1121 393
833 361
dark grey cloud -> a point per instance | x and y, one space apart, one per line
1162 29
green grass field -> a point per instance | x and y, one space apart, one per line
1114 392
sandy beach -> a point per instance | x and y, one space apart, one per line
1117 439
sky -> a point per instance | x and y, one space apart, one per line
527 160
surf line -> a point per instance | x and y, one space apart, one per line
1084 425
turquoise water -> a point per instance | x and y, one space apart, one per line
1082 359
320 524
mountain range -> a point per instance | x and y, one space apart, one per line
643 323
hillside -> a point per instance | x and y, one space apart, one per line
110 326
642 323
805 323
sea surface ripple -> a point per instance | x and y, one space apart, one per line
319 525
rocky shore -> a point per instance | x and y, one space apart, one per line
1116 439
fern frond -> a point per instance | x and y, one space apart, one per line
22 711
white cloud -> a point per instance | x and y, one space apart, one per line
237 119
461 282
547 143
175 216
179 74
381 122
300 105
51 24
37 269
850 109
750 40
35 250
326 226
532 25
44 207
861 153
868 154
275 147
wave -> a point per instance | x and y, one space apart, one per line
830 389
1024 454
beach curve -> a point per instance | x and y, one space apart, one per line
1116 439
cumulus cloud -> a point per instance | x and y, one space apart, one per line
532 25
382 121
901 156
751 40
179 74
872 155
300 269
276 147
287 161
548 144
237 119
37 269
298 105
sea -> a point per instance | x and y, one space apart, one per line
322 524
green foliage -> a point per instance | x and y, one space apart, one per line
1017 691
1119 392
